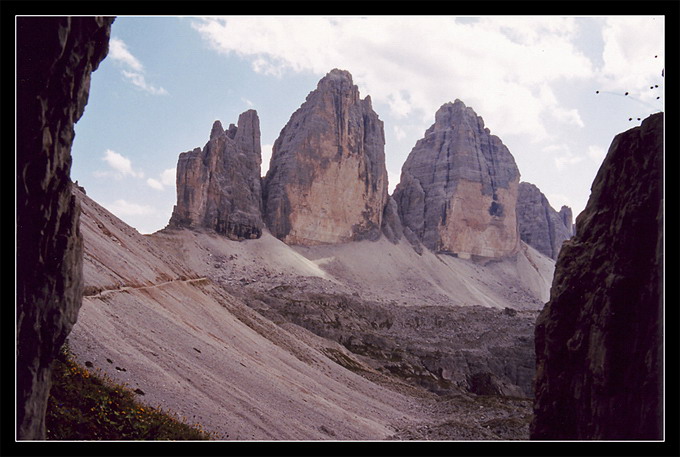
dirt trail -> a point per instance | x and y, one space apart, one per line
105 292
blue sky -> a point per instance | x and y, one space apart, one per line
532 79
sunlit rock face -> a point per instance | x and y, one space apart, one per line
540 226
458 188
599 340
218 187
327 181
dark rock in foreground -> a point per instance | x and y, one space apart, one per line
55 57
599 339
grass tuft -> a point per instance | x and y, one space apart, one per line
87 406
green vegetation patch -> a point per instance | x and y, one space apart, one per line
87 406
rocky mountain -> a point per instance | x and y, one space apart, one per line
458 188
403 320
55 57
540 226
327 181
218 187
599 340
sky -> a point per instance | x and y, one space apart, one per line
553 89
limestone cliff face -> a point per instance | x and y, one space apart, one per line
218 187
55 57
458 188
599 339
540 226
327 181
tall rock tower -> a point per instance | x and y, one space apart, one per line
218 187
327 181
458 188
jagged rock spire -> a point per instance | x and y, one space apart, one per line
327 182
218 187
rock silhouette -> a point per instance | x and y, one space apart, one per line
599 340
55 58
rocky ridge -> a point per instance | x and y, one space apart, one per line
540 225
218 187
599 340
458 188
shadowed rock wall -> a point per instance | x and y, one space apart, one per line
55 57
599 339
540 226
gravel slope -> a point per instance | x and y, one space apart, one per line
158 315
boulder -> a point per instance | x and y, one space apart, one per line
327 181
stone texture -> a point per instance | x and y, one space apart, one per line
540 226
391 224
218 187
55 57
599 339
567 218
327 181
458 188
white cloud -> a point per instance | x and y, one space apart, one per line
134 70
138 80
118 51
559 200
399 133
597 153
168 177
154 184
392 180
564 156
247 102
562 161
633 56
266 157
122 208
121 165
415 64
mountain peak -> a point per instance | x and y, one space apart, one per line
218 187
458 190
327 182
217 130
